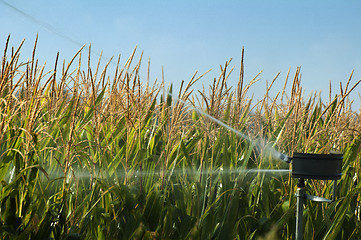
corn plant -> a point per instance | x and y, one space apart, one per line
86 155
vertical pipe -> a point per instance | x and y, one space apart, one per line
300 194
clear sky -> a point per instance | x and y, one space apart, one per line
323 37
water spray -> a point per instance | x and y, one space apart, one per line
184 171
275 154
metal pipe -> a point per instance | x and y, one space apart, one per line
301 197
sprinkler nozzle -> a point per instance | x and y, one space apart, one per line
285 158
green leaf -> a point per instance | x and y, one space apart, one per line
152 210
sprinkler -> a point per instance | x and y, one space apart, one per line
313 166
285 158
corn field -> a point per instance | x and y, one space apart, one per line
88 155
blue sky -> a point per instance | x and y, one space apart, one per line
323 37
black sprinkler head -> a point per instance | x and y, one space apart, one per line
317 166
